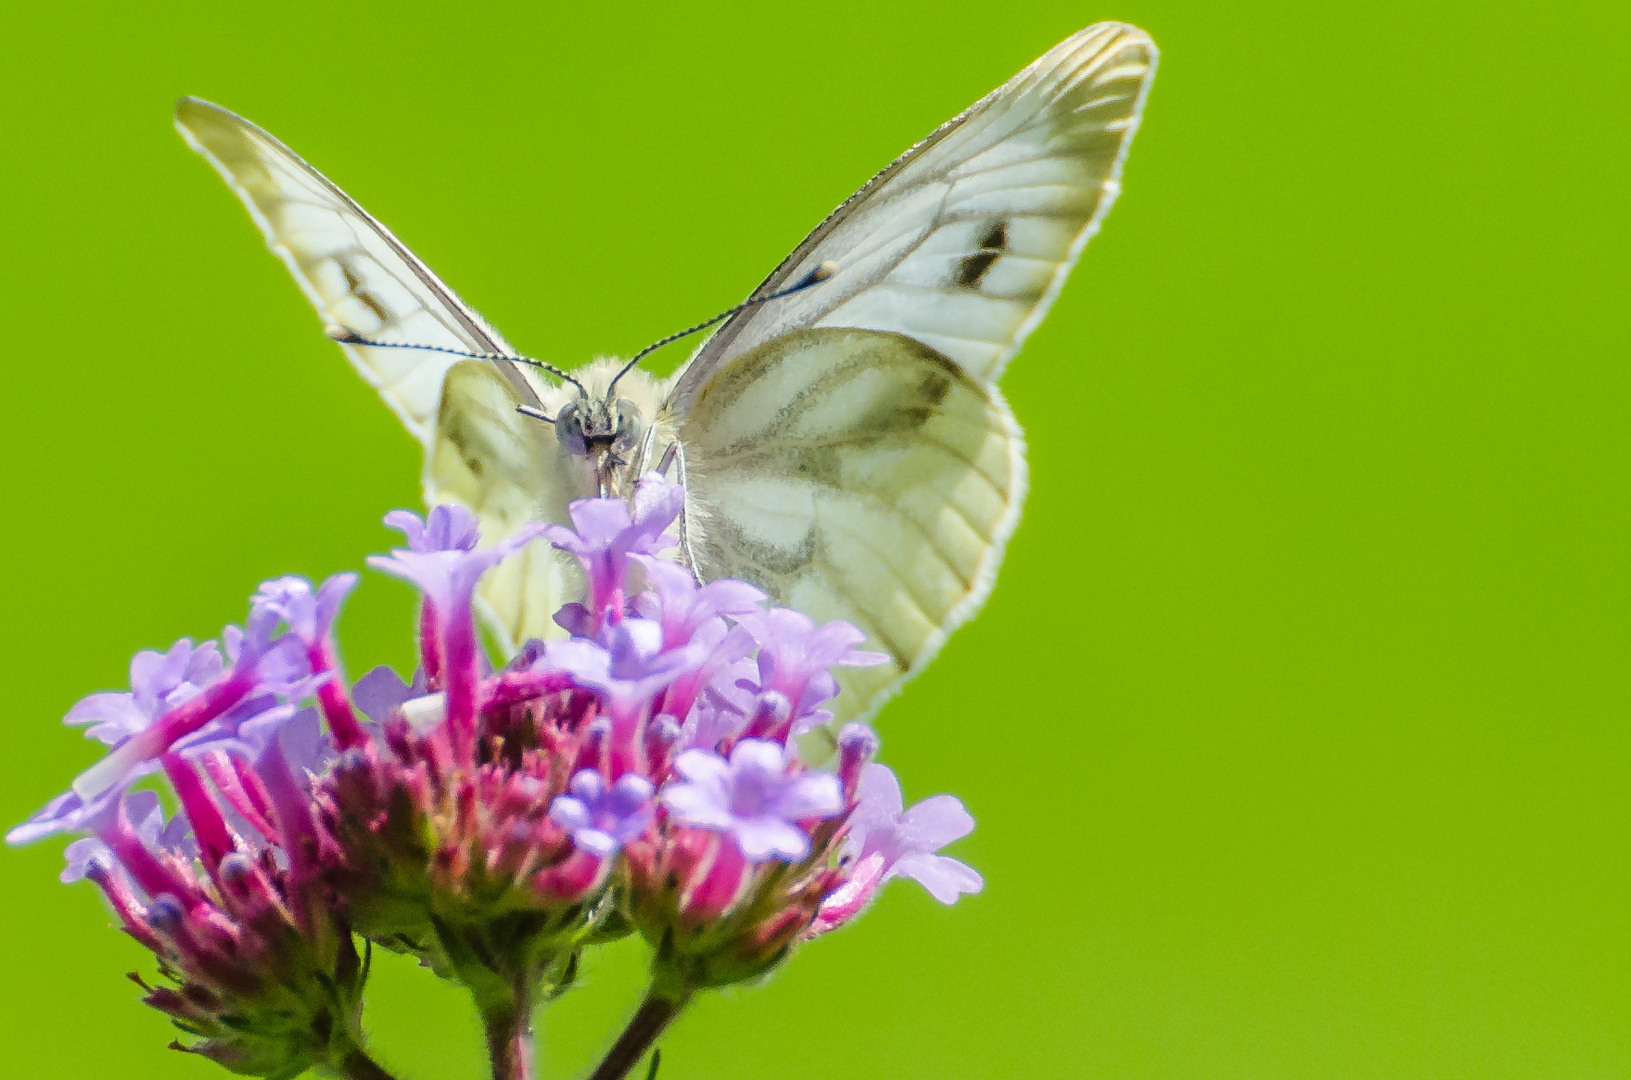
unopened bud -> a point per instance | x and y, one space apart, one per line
165 913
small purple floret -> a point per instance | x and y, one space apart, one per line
681 606
158 683
906 840
603 537
309 614
445 528
602 819
752 798
795 655
629 669
446 574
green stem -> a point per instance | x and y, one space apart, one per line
509 1035
656 1012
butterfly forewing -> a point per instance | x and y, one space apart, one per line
854 475
350 267
963 242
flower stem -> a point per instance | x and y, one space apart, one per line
656 1012
509 1036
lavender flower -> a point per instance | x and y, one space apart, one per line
445 528
603 537
602 819
446 566
681 606
441 559
630 669
905 841
260 663
309 614
753 798
795 656
158 683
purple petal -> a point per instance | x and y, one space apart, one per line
153 675
597 522
945 878
114 717
589 786
447 528
760 755
629 795
936 822
410 525
575 619
82 854
767 837
657 502
596 842
379 692
693 804
878 795
569 813
814 795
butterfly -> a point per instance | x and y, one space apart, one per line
840 438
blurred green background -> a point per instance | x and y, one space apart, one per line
1297 726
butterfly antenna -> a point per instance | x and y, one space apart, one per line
814 277
351 337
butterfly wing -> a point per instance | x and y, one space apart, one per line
854 475
356 274
490 458
845 447
964 241
478 450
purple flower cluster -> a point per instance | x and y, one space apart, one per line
228 894
641 775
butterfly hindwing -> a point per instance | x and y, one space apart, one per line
963 242
510 470
854 475
350 267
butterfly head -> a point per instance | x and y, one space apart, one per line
600 428
605 433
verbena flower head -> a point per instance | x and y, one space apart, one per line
641 775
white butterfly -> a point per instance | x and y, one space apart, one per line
844 447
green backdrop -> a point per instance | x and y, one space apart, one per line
1296 727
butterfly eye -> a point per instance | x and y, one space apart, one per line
630 426
569 430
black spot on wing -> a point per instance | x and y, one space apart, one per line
972 268
934 385
353 285
371 302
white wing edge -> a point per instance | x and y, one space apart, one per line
985 576
1112 192
424 434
